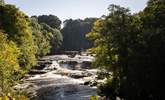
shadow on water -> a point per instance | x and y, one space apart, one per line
65 92
74 65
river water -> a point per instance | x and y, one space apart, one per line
60 77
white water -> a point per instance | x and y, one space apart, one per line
62 83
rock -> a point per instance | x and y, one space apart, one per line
53 66
87 83
93 83
103 74
62 72
40 66
33 72
77 75
86 64
87 74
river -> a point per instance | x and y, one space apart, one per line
60 77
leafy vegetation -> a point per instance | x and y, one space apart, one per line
50 28
23 40
55 37
40 38
17 26
131 46
8 63
51 20
74 32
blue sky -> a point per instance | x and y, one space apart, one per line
66 9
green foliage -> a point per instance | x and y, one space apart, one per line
110 88
54 37
41 39
94 98
13 97
56 41
74 32
8 63
23 40
132 47
51 20
17 25
50 26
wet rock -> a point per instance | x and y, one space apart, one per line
69 64
87 82
86 64
33 72
91 83
77 75
53 66
87 73
103 74
63 72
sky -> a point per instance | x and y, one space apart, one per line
65 9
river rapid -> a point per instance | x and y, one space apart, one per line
60 77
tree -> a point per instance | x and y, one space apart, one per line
8 63
54 37
132 48
50 26
74 32
153 33
40 38
17 26
115 39
51 20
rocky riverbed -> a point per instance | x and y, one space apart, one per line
60 77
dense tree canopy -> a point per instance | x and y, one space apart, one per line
41 38
17 26
132 48
54 36
8 63
51 20
74 32
23 40
50 27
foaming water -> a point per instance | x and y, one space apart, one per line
64 79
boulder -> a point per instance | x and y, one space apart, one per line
91 83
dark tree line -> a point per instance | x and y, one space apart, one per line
51 20
74 34
132 47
